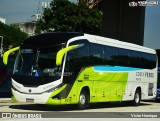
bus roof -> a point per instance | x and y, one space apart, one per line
120 44
53 38
49 39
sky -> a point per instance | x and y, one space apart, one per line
21 10
152 27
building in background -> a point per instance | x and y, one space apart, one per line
121 19
36 17
30 26
3 20
27 27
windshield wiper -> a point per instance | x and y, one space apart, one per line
35 67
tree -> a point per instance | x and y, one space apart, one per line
12 36
66 16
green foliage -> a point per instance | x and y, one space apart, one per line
12 36
66 16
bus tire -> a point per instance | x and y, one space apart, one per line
157 100
137 98
83 100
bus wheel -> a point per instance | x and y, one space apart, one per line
83 100
137 98
157 100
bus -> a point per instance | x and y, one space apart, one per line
60 68
158 86
158 82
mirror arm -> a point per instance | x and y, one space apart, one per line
61 53
7 53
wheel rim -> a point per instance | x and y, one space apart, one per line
82 99
137 98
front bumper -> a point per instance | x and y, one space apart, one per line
35 98
43 98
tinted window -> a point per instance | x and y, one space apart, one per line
153 61
97 54
145 60
135 59
77 58
123 58
111 55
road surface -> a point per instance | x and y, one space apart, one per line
148 110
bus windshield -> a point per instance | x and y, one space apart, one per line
37 64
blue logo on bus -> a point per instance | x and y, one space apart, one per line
36 74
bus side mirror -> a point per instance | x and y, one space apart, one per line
7 53
61 53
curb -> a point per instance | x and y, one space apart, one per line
5 100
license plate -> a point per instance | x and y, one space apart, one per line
29 100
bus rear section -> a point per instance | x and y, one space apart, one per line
158 87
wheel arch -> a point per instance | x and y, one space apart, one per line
84 98
87 89
139 89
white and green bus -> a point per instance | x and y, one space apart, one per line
76 68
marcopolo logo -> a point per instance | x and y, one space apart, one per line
29 90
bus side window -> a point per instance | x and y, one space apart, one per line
77 58
69 61
152 61
111 56
145 59
124 57
97 54
135 59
